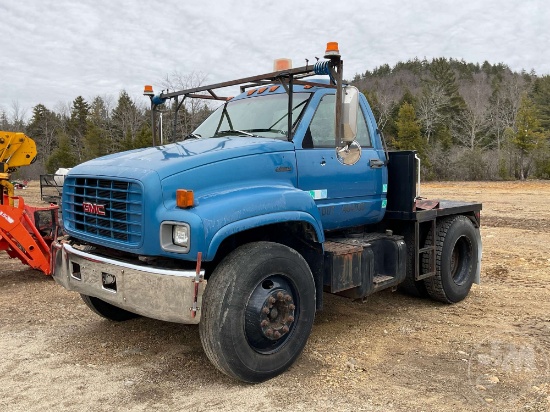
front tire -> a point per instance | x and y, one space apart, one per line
106 310
257 311
457 259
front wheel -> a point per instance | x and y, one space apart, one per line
257 311
457 259
106 310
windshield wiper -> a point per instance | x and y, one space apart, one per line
233 131
192 136
279 131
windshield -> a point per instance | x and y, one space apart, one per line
264 116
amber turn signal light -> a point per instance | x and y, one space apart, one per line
184 198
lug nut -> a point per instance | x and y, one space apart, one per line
265 310
272 299
285 329
269 332
288 298
276 335
290 319
280 295
264 323
291 307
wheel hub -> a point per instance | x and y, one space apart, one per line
271 314
277 314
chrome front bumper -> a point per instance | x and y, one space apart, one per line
170 295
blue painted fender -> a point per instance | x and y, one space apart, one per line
231 212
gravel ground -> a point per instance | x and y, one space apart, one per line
390 353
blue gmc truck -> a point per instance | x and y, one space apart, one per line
284 192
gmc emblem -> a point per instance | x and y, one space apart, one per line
93 208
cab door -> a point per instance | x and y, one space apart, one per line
346 195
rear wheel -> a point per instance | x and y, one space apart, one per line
258 311
457 259
106 310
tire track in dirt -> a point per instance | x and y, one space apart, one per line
536 225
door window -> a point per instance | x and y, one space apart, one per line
321 130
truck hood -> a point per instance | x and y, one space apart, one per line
178 157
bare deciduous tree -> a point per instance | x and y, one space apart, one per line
505 104
387 96
430 105
472 122
191 113
18 115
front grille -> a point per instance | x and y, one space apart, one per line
105 208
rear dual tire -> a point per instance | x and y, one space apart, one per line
457 259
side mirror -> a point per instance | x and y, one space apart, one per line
350 152
350 109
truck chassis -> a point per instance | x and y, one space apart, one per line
257 288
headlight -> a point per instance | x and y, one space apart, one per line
180 235
175 236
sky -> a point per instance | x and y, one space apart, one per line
52 51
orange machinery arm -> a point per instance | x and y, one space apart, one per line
20 238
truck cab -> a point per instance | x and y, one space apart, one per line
283 193
345 196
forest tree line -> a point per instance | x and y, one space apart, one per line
467 121
86 129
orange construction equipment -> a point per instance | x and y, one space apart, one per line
26 232
25 238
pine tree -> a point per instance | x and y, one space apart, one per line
126 122
528 136
144 138
97 141
43 128
4 121
62 156
541 97
408 131
78 126
95 144
444 76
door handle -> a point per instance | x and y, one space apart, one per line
376 163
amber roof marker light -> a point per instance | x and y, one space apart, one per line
282 64
332 50
148 90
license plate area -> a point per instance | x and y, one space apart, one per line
96 275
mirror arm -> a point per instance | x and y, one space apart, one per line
338 64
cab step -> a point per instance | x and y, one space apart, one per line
382 278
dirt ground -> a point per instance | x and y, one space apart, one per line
390 353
